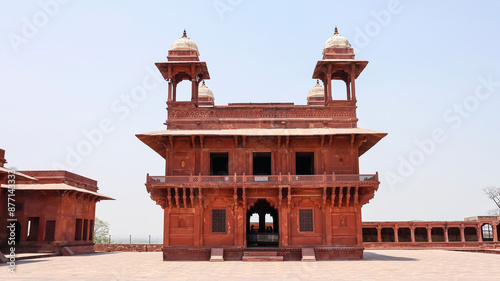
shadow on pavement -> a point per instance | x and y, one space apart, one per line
18 262
368 256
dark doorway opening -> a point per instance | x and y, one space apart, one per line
262 163
421 234
91 230
33 229
50 230
85 229
219 163
454 234
78 229
437 234
304 163
263 232
387 234
370 234
17 232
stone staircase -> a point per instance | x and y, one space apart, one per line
261 256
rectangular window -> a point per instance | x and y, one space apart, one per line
50 230
262 163
219 221
304 163
219 163
78 229
91 230
306 220
85 229
33 228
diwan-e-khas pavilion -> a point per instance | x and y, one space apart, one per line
297 165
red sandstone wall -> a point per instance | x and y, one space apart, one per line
127 247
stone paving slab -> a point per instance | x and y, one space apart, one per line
377 265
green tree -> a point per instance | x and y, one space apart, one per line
101 232
494 194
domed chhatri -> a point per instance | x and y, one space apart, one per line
316 91
338 47
184 44
338 63
316 95
183 49
205 96
337 41
204 91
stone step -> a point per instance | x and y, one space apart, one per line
308 254
262 258
261 253
217 254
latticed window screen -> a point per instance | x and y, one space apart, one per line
219 220
306 220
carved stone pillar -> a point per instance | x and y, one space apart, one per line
353 79
479 233
462 234
429 234
495 232
379 233
446 238
412 233
166 227
169 91
396 236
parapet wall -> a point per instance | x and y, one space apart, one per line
128 247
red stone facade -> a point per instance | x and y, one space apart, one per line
296 163
54 210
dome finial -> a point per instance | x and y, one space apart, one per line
336 30
317 81
184 35
203 83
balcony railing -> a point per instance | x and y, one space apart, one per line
280 179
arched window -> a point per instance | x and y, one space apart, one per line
487 232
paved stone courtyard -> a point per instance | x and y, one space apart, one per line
377 265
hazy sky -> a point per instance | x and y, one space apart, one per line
72 72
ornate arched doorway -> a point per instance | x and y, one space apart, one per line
263 232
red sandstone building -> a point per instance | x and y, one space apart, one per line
298 164
54 211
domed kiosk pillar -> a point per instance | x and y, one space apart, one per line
183 64
338 63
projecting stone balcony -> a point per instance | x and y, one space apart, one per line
229 181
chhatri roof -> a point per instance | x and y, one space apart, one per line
337 41
185 43
317 91
204 91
